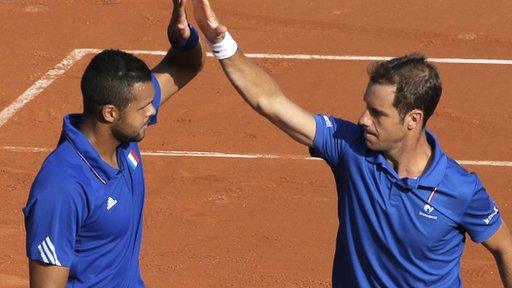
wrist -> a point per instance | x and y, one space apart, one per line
188 44
225 48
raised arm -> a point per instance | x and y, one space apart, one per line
500 245
185 58
255 85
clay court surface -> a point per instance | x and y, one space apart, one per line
243 222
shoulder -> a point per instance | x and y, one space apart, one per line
462 180
61 174
463 188
335 137
339 128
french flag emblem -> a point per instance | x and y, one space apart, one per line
133 159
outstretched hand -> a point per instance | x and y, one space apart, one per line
208 22
178 30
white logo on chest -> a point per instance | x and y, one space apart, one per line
111 202
428 209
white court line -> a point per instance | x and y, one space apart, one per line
336 57
77 54
239 156
41 84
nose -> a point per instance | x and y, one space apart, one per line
364 120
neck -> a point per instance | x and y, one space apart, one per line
412 157
101 138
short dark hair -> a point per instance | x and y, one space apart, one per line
418 85
109 79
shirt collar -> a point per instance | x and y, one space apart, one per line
85 150
431 178
437 168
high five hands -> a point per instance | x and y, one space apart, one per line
178 30
208 22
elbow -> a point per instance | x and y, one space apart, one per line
266 105
197 64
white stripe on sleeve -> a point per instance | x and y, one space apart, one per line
45 260
47 251
52 249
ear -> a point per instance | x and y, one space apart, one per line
109 113
414 119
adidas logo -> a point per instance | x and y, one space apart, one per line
111 202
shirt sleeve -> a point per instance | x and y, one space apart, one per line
53 216
482 217
330 138
157 98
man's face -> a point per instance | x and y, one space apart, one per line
384 129
134 119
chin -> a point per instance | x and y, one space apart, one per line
138 138
130 138
372 146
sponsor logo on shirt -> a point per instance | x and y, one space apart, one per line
111 202
428 209
328 122
133 159
488 219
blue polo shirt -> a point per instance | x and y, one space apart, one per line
85 215
400 232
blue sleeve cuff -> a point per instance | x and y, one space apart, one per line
316 150
485 235
189 44
157 98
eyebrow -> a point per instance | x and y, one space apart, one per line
377 111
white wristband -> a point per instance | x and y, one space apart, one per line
225 48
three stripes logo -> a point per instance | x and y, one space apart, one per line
48 253
111 202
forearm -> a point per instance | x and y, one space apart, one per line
185 60
178 68
504 263
186 64
255 85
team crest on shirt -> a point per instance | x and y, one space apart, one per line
133 159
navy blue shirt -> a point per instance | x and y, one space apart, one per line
86 215
400 232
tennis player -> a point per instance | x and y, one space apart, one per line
83 217
404 206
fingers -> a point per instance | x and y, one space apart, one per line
181 6
178 30
207 21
